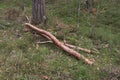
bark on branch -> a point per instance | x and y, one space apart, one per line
79 48
58 43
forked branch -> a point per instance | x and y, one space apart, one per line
57 42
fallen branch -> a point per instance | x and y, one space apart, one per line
79 48
43 42
58 43
68 45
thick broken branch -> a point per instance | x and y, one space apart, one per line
58 43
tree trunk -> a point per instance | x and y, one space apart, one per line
38 11
89 5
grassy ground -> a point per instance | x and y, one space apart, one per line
22 59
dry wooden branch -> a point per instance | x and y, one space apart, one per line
43 42
71 46
79 48
68 45
58 43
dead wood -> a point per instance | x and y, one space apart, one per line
43 42
58 43
68 45
79 48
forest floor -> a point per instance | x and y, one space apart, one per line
22 59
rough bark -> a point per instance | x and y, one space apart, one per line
38 11
89 5
58 43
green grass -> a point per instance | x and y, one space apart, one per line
22 59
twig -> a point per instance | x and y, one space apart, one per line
79 48
28 19
43 42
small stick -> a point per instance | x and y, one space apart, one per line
79 48
43 42
28 19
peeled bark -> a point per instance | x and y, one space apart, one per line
58 43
